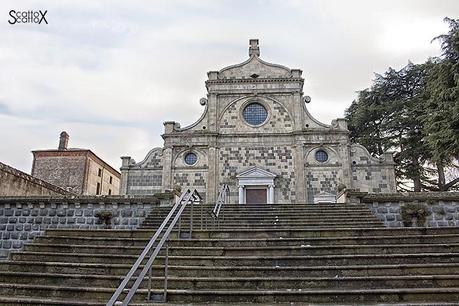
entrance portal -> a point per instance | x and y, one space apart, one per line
256 186
256 196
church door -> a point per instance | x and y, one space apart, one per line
256 196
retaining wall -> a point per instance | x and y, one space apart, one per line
407 209
22 219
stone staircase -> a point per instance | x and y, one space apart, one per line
256 254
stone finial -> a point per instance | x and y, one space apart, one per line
254 49
63 141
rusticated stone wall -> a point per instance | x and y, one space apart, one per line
439 209
22 219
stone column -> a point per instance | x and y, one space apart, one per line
241 195
212 179
271 194
298 112
167 169
124 174
345 155
300 185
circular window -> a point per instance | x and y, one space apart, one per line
191 159
255 114
321 156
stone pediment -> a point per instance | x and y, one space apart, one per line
324 197
254 67
256 172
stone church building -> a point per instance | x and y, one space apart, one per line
257 136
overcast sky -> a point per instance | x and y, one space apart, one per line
110 72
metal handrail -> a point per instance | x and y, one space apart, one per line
188 196
223 197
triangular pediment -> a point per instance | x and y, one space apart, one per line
256 172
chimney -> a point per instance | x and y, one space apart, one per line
254 49
63 141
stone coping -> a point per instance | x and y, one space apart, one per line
153 199
366 197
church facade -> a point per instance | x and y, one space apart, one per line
257 136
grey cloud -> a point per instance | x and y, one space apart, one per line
111 72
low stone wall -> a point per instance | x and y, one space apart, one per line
430 209
22 219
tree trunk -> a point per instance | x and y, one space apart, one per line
441 177
417 178
417 184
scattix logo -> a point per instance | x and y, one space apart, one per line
27 17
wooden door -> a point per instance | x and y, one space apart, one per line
256 196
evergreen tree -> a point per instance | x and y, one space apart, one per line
386 118
415 112
441 116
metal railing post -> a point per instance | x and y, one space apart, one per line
149 284
191 220
166 273
179 231
201 213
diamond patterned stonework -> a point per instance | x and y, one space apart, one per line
255 116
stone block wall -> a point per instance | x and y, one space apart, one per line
439 209
276 159
279 118
440 214
63 171
143 181
22 219
143 178
370 174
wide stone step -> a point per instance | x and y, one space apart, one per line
245 261
248 283
235 271
303 249
235 296
279 224
360 296
270 221
272 218
268 214
67 292
141 242
268 207
261 233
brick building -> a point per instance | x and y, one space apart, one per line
257 135
77 170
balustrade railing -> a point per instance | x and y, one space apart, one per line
188 196
223 197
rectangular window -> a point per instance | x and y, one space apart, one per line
111 180
109 192
98 189
100 172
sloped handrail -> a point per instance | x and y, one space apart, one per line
188 196
223 196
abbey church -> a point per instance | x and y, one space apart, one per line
257 136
